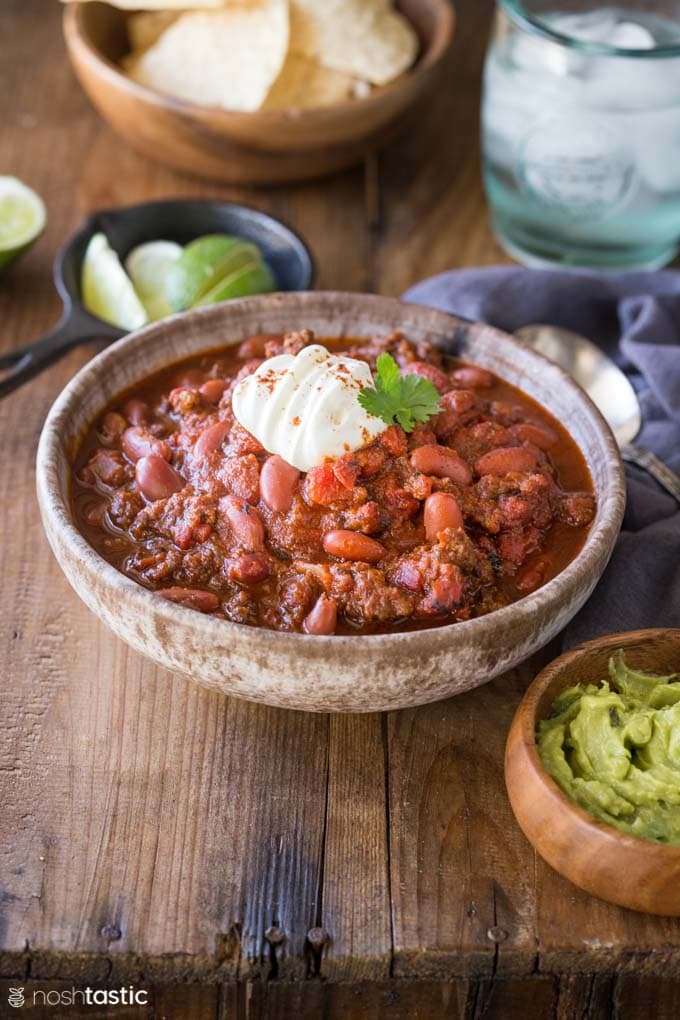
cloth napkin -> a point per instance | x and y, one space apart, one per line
635 318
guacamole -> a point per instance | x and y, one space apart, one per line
615 750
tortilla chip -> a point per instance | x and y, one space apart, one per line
146 28
304 83
363 38
228 58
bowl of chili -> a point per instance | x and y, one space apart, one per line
419 566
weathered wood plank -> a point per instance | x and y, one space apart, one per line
462 874
375 1000
638 996
356 901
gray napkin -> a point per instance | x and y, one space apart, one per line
635 317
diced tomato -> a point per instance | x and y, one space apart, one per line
346 471
323 486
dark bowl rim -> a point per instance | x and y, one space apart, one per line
426 60
528 723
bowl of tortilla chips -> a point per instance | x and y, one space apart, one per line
258 91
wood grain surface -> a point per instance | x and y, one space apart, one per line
154 832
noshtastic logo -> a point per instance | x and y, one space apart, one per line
123 996
16 997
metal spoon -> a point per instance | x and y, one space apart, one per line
608 388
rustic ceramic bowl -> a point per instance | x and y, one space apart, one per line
265 147
356 673
622 869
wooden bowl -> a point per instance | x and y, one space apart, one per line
266 147
622 869
360 673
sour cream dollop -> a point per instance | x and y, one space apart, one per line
304 407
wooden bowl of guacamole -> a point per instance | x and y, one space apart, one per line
592 767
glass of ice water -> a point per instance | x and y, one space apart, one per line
581 132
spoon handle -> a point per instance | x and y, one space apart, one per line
650 463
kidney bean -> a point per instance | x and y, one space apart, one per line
442 463
352 545
212 390
538 435
472 376
457 407
323 618
138 442
278 481
211 439
254 346
111 427
506 459
441 511
433 374
156 478
136 411
192 598
244 521
250 569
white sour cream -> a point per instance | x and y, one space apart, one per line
305 407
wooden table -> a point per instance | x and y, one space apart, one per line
243 861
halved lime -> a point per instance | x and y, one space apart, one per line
148 266
22 218
204 262
107 290
252 278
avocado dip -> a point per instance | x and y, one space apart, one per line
614 749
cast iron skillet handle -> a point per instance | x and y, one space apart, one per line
650 463
23 363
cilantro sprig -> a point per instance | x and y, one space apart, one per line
406 399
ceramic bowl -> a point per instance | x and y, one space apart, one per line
622 869
354 673
265 147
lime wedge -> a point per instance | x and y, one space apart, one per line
107 290
22 218
254 278
203 264
148 266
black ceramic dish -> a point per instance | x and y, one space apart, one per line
178 220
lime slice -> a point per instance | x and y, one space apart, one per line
148 266
203 264
22 218
254 278
107 290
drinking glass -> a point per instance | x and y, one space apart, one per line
581 132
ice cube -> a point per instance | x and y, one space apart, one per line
594 27
537 55
618 83
629 36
